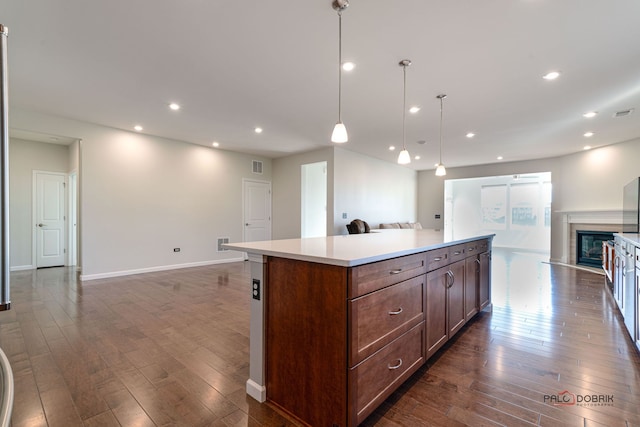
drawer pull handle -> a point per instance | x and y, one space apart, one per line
457 253
396 366
394 313
471 249
438 258
396 271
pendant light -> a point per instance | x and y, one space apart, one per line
440 169
339 134
404 157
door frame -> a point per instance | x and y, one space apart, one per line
34 215
245 181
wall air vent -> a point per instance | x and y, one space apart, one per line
623 113
222 241
257 167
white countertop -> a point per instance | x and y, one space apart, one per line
352 249
633 238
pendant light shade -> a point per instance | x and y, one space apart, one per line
404 158
339 134
440 169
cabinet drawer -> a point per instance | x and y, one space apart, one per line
382 316
457 252
437 258
371 277
372 381
483 245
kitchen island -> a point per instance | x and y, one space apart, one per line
338 323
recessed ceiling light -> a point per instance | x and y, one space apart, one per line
586 147
417 157
471 135
258 130
174 106
414 109
348 66
588 134
215 144
551 75
138 128
391 148
500 157
590 114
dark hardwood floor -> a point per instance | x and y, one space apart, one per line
171 349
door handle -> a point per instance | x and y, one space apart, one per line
246 224
40 225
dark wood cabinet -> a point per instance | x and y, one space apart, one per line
340 340
471 286
484 280
456 315
445 312
436 309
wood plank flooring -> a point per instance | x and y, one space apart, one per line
171 349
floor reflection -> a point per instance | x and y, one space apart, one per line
521 280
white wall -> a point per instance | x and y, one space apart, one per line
142 196
373 190
589 180
24 158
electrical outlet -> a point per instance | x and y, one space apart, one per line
176 249
437 216
255 292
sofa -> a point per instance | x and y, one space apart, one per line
403 225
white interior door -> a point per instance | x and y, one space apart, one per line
49 219
257 211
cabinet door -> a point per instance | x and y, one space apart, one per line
455 298
472 268
436 309
484 280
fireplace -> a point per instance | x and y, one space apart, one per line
589 247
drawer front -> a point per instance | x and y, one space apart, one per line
371 277
457 252
437 258
382 316
471 248
372 381
483 245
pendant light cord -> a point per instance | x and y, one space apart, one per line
404 104
339 66
441 98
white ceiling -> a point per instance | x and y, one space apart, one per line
234 65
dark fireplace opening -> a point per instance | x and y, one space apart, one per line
589 247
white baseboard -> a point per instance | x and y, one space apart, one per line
257 391
22 268
85 277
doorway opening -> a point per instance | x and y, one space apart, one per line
314 200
